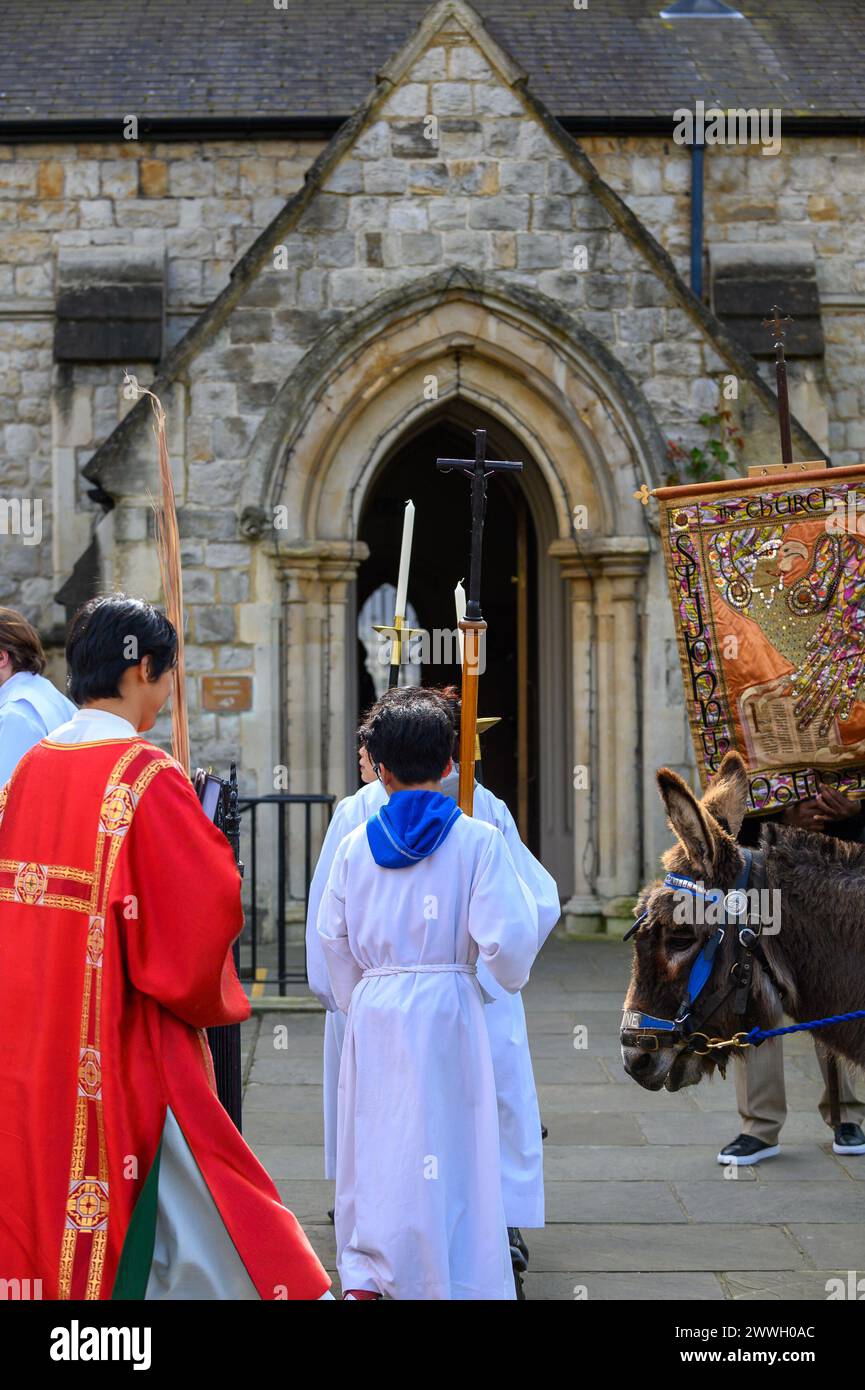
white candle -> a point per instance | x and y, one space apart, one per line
460 601
404 559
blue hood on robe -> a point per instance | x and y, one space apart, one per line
410 827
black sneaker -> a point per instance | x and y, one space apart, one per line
745 1150
519 1250
849 1139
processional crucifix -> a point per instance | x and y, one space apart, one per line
472 625
777 327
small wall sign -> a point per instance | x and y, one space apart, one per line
227 694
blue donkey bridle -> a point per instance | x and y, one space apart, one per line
648 1033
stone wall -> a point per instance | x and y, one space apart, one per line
449 168
813 191
201 205
205 203
482 185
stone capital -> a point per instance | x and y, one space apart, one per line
328 562
595 556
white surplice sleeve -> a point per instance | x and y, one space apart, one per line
503 916
541 885
343 970
316 968
20 729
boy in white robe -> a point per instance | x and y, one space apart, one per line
414 898
519 1118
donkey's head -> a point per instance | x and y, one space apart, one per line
676 928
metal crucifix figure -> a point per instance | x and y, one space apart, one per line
478 469
778 326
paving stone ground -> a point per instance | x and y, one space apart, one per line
637 1207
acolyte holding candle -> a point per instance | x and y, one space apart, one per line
397 631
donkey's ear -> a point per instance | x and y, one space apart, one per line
727 794
687 819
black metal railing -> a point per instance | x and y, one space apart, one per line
286 886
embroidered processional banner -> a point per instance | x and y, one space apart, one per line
767 579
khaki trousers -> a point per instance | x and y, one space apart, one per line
762 1100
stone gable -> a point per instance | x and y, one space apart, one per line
451 232
204 204
450 167
451 164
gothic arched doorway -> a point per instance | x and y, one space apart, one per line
440 558
510 363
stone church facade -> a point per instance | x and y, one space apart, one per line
451 252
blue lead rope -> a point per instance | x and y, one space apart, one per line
758 1035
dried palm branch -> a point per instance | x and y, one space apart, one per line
168 551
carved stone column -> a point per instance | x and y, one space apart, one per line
604 583
583 910
316 583
620 830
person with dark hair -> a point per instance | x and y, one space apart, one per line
123 1176
110 636
30 706
519 1117
415 897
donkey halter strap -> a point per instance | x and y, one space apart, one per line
648 1033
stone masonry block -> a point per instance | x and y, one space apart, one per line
451 98
522 176
506 213
540 251
494 100
420 248
215 623
410 100
411 139
467 62
431 67
552 212
448 214
385 176
373 143
327 212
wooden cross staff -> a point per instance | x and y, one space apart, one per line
478 470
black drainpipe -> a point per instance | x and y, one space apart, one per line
697 151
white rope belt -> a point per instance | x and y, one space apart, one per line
453 969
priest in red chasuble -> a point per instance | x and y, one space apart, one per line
122 1175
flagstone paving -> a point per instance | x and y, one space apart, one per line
637 1207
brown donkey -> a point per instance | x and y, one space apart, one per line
809 962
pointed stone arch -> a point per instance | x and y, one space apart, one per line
574 405
509 353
